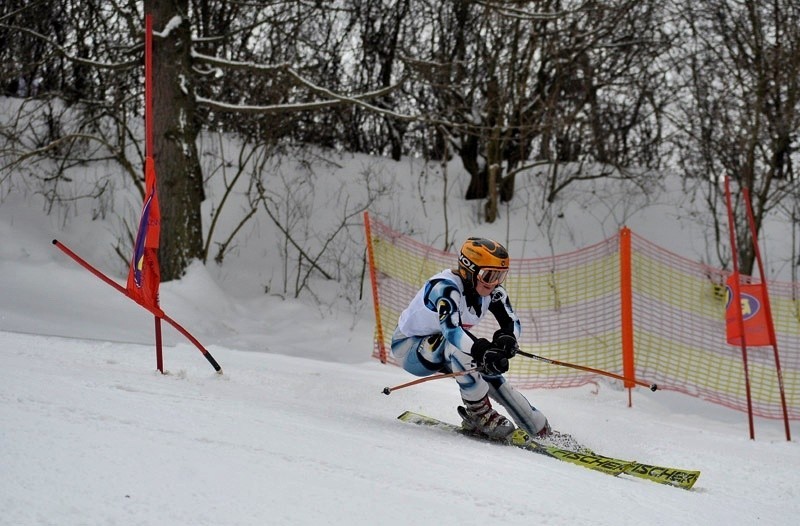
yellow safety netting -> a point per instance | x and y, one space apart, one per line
570 308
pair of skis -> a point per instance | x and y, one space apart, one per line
680 478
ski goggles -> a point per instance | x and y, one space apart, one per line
492 276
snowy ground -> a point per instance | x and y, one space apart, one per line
92 435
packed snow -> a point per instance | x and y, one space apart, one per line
296 431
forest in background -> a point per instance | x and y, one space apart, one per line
567 90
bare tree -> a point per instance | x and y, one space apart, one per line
380 29
176 127
256 69
54 64
528 82
568 89
740 65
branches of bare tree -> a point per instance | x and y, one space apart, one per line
739 64
566 82
562 90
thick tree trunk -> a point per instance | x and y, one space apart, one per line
494 159
478 182
175 130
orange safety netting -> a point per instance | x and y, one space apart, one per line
571 308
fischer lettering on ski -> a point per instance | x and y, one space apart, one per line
680 478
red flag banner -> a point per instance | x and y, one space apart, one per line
144 276
753 313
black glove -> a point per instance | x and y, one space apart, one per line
488 356
506 341
479 348
495 362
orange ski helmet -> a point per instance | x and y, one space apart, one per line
482 260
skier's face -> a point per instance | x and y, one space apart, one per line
483 289
488 279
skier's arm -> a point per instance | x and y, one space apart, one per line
443 297
501 308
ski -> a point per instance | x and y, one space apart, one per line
680 478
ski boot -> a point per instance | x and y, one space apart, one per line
479 418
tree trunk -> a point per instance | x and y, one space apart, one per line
507 187
494 161
175 130
490 209
478 176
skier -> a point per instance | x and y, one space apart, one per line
433 336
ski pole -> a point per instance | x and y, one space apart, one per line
652 387
388 390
